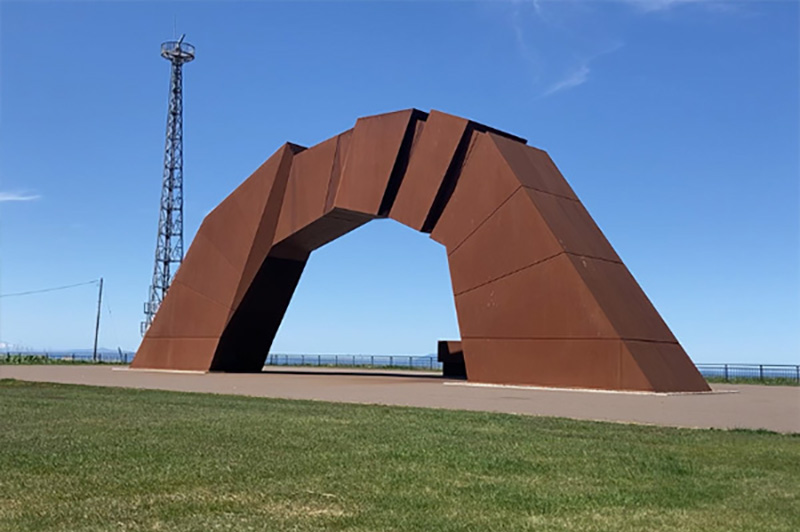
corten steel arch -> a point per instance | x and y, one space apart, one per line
541 296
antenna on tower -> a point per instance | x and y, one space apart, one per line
169 244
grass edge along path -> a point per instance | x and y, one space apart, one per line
90 458
45 360
766 381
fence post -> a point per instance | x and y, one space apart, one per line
761 372
302 360
430 362
372 360
354 360
797 370
336 360
726 373
391 360
410 363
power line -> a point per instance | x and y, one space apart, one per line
43 290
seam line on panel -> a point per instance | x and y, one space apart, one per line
485 220
201 294
536 263
329 200
575 199
224 256
583 255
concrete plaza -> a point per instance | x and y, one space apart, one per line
729 406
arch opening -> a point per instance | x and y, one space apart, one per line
382 289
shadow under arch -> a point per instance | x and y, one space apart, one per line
541 296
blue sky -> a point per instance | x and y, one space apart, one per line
675 121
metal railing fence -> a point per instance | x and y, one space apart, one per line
726 372
121 357
758 372
419 362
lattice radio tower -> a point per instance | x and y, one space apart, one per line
169 246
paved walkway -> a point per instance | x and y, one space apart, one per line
733 406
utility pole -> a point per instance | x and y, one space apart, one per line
169 245
97 323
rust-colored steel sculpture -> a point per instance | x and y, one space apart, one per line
541 296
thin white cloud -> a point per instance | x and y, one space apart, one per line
529 55
663 5
579 76
576 71
15 196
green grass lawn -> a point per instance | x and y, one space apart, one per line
768 381
82 458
